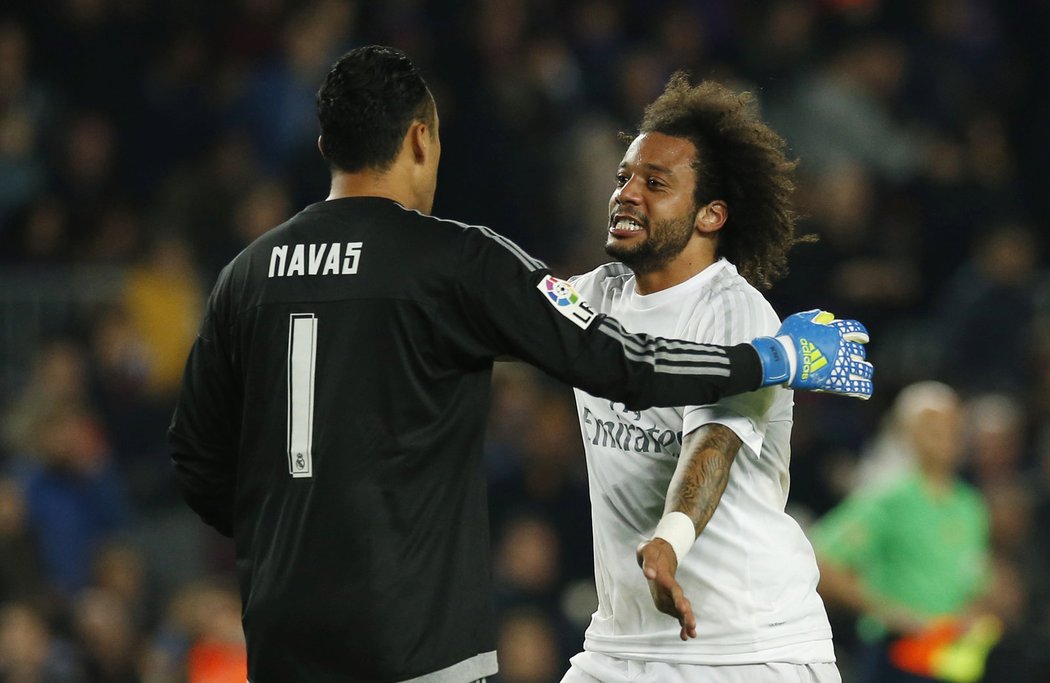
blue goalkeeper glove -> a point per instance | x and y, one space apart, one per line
813 351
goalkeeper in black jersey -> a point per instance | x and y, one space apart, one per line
333 407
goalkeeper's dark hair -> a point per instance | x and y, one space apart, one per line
741 161
365 106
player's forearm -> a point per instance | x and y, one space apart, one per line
643 371
702 473
697 486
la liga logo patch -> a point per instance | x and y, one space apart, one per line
566 301
560 291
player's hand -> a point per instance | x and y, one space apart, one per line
659 564
814 351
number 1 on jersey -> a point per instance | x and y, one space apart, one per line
302 353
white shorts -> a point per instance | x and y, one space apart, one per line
594 667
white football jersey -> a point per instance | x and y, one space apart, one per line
751 575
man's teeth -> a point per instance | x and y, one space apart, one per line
627 225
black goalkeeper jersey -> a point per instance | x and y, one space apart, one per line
331 420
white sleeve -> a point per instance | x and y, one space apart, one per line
741 316
746 414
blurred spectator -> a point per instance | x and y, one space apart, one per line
107 639
119 569
539 507
218 653
23 113
989 304
38 234
135 419
201 640
528 649
164 299
843 111
85 174
517 393
549 481
528 563
277 106
58 374
252 31
177 97
120 366
118 236
263 206
690 38
528 576
910 557
74 496
973 171
996 440
89 52
21 573
29 651
781 42
199 202
958 51
596 30
864 260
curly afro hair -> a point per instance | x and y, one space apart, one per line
741 161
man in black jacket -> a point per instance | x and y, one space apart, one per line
332 412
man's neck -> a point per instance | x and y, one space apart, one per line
674 273
371 183
938 481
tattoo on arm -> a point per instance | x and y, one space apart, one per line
702 473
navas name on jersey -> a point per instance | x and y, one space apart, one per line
327 258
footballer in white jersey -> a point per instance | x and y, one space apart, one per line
701 575
751 575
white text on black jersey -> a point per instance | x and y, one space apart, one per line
327 258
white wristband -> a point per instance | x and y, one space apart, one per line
677 529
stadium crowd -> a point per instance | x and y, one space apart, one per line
143 144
